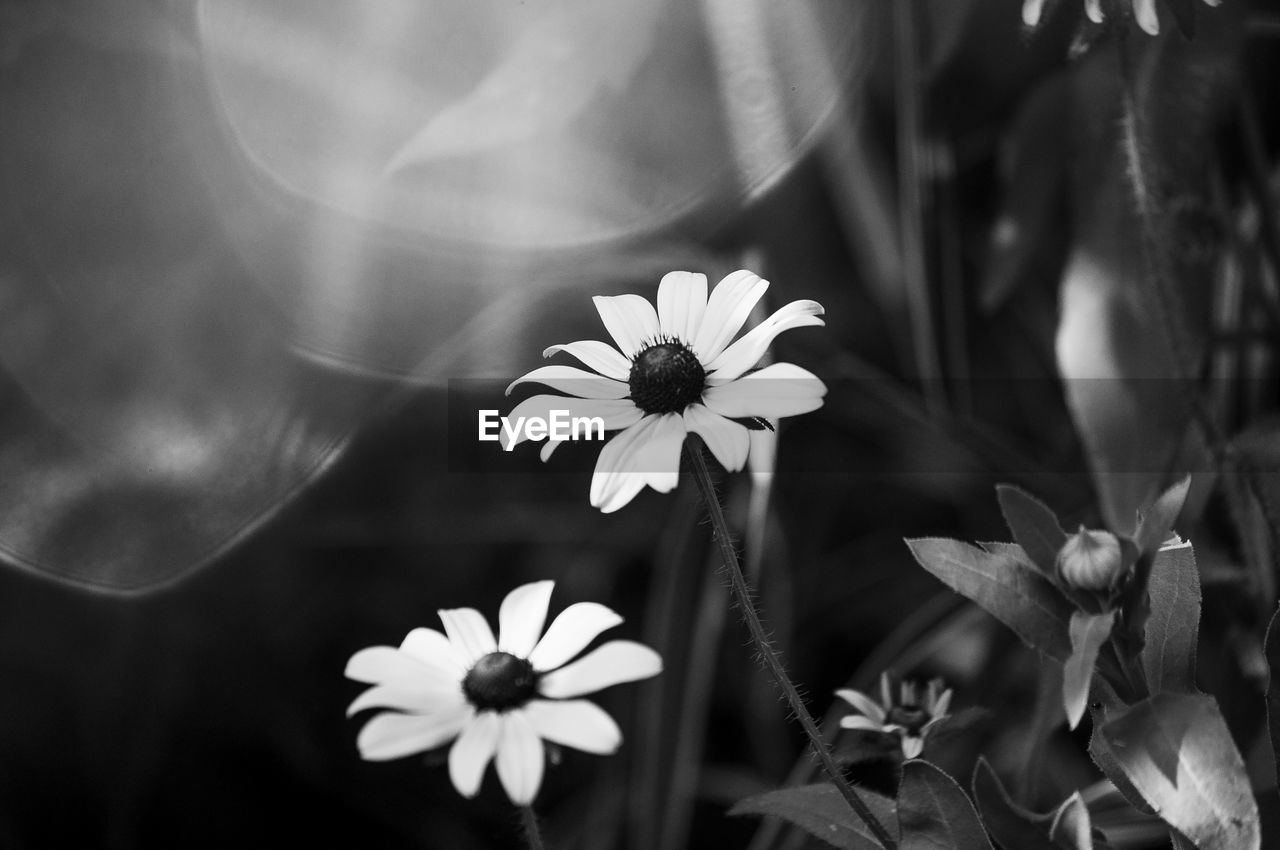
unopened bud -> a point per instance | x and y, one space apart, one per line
1090 560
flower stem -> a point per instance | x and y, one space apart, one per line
769 656
532 832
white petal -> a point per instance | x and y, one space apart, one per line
616 662
392 736
912 746
382 665
434 649
728 441
622 488
1145 12
520 758
747 351
943 704
521 617
616 413
1031 12
613 463
1093 9
469 632
727 308
630 320
427 699
577 626
682 299
548 447
574 381
782 389
472 751
857 721
658 458
575 723
863 703
600 356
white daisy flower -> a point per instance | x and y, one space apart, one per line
499 698
676 370
910 717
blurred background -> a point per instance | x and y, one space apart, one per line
256 257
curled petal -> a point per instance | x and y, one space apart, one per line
658 458
746 352
575 723
381 665
630 320
682 300
435 650
392 736
428 699
577 626
1031 12
912 746
727 308
469 632
864 704
611 664
574 381
521 617
600 356
728 441
608 483
519 758
615 413
1093 10
470 754
782 389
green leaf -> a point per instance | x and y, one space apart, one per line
1155 524
1172 628
1033 524
933 811
1006 587
1272 645
1088 633
1105 706
821 811
1176 751
1013 827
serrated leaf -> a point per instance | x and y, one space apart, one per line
1155 524
1173 624
1088 633
933 811
1013 827
1007 588
1071 828
821 811
1178 754
1033 524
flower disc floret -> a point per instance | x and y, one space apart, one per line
666 378
500 681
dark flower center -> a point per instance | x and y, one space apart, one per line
666 378
910 717
500 681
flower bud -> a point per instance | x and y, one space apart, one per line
1090 560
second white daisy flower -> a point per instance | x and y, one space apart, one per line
676 370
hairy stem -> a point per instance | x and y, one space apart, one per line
769 656
532 831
